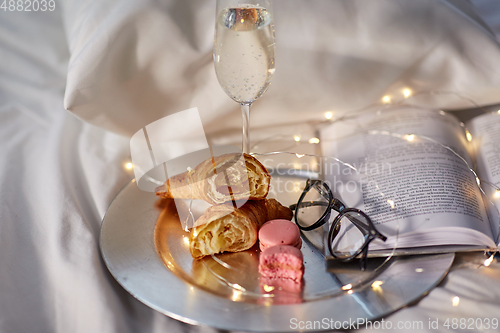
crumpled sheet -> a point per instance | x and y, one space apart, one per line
58 174
133 62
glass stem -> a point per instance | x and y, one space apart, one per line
245 112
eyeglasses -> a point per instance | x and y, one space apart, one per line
351 231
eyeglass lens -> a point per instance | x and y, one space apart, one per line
312 207
351 236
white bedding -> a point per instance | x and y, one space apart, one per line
58 173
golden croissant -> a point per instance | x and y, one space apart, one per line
220 179
223 228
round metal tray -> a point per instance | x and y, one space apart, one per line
168 280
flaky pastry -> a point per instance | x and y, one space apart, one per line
223 228
224 178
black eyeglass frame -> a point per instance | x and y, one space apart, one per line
367 229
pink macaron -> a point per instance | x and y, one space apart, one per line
279 232
281 262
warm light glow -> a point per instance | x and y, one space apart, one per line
488 261
377 284
498 111
328 115
186 240
242 20
468 135
350 292
386 99
268 301
391 203
410 137
407 92
347 287
191 288
296 138
299 155
419 270
129 166
236 296
313 140
497 194
268 288
455 300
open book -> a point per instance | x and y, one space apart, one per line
410 170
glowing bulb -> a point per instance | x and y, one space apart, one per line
349 292
406 92
386 99
488 261
313 140
129 166
377 284
468 135
328 115
242 20
236 296
347 287
268 288
296 138
391 203
410 137
498 111
455 300
238 287
497 194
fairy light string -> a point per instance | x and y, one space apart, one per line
387 103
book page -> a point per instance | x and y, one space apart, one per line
409 178
485 136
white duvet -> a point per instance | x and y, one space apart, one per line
119 65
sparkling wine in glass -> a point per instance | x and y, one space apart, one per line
244 52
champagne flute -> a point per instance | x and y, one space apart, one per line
244 53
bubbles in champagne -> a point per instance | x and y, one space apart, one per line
244 52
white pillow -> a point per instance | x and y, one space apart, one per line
135 61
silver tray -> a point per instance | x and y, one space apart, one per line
165 277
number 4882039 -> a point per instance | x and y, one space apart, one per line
28 5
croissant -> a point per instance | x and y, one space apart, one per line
224 178
223 228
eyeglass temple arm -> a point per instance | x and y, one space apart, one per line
366 227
